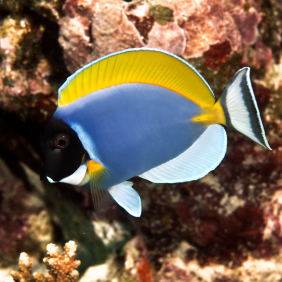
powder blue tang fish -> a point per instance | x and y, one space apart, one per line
143 112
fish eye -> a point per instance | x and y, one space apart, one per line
61 141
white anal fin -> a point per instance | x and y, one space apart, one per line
127 198
198 160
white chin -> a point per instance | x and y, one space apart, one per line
50 180
74 179
77 177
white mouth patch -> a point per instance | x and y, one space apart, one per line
50 180
74 179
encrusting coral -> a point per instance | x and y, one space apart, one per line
60 268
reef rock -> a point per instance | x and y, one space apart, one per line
24 70
187 29
88 31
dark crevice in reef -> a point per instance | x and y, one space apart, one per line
29 52
29 48
91 38
54 53
50 47
22 128
22 139
3 12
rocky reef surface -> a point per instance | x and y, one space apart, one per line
226 226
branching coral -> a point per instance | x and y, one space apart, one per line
24 274
60 268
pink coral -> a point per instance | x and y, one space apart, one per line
206 23
187 29
86 20
74 33
247 24
169 37
114 33
263 56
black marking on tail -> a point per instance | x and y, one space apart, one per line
244 89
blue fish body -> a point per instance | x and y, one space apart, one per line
134 127
143 112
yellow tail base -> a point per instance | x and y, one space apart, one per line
211 115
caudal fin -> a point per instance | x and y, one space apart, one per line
240 108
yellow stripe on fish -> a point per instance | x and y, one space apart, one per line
148 66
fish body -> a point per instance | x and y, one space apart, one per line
142 127
125 115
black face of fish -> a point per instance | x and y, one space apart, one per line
62 150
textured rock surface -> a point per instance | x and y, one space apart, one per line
32 66
184 28
24 70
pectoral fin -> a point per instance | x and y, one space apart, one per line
100 195
98 175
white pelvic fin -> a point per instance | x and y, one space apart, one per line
240 108
127 198
198 160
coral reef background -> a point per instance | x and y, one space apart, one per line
224 227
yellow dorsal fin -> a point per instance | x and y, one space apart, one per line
143 65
